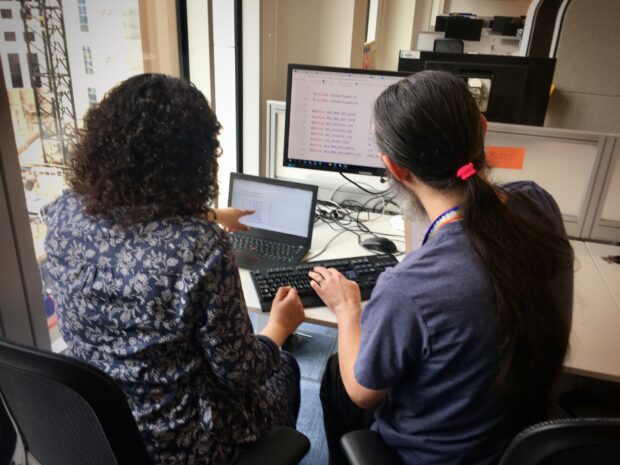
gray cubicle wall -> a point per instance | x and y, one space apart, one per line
563 162
580 169
604 218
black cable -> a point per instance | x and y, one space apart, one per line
362 188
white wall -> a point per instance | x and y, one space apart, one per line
225 91
488 7
200 50
251 86
394 31
335 31
317 32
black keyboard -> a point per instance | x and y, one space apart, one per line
363 270
271 250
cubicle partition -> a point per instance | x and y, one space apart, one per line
580 169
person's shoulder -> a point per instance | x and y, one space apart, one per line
531 192
66 204
204 239
530 189
432 262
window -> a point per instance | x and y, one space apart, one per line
5 13
92 96
83 15
15 70
371 20
33 68
88 60
42 161
9 36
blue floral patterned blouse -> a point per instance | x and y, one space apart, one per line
158 306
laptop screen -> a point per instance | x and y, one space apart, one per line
280 206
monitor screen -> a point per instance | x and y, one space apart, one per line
279 206
328 118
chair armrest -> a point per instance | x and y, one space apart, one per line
281 446
365 447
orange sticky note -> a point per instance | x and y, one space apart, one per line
506 157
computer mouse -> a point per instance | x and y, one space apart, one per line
379 244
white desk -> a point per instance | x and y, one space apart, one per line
609 271
595 336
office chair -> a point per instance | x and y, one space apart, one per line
573 441
448 45
69 413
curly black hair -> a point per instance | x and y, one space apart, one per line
148 150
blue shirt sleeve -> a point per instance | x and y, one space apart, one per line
394 335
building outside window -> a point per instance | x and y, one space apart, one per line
92 96
9 36
83 15
116 40
6 13
33 68
15 70
88 60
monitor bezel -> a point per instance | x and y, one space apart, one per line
323 166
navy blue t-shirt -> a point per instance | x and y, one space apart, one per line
429 335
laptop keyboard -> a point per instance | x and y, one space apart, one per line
265 248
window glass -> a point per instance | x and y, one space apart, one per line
16 70
9 36
51 84
83 15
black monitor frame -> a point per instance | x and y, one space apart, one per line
341 168
531 81
464 28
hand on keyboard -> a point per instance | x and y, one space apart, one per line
339 293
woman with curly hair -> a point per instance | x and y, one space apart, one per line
147 286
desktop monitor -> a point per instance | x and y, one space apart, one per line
328 118
508 89
464 28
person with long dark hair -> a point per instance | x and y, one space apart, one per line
462 343
146 282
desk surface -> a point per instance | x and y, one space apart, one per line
609 271
595 336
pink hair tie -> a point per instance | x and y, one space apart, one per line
466 171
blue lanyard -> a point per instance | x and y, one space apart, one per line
453 212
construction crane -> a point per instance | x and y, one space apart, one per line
51 80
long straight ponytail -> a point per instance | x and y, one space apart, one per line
430 125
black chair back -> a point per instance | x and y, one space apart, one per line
67 412
570 441
448 45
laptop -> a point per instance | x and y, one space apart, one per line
280 229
